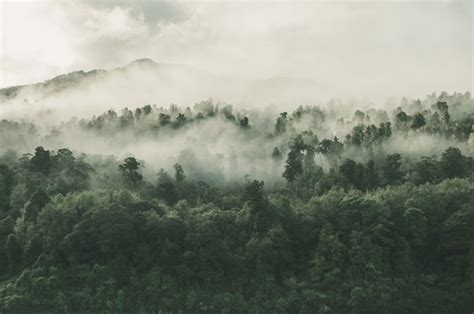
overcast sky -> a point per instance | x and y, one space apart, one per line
358 46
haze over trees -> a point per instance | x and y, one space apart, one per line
213 209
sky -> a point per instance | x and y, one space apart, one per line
353 47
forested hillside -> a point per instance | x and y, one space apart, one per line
213 209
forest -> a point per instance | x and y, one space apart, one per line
341 208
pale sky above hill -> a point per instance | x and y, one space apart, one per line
355 47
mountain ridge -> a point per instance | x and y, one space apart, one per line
145 80
59 81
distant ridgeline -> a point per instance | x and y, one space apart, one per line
72 79
313 211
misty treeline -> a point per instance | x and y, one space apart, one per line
213 209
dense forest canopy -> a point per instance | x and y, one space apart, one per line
216 209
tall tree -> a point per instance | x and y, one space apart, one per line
418 121
294 161
41 161
391 169
453 163
426 170
281 122
6 186
14 252
130 171
179 173
371 175
401 120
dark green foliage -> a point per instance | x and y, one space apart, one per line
454 164
281 123
401 120
391 169
254 194
166 188
41 161
179 173
13 253
330 148
418 121
355 229
33 207
372 175
342 251
164 119
6 187
244 123
180 121
426 170
443 108
129 170
294 161
354 174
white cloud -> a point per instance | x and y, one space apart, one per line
355 48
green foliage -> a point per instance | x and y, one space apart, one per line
391 169
41 161
122 251
357 227
281 123
294 161
179 173
418 121
6 187
454 164
129 170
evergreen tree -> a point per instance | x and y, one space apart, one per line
294 161
130 171
391 169
453 163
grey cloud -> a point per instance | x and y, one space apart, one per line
153 12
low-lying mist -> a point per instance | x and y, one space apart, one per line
82 94
216 142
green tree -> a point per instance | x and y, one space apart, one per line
371 175
401 120
294 161
166 188
453 163
415 224
255 195
6 187
418 121
244 123
426 170
13 251
179 173
41 161
180 121
33 207
443 108
281 122
354 173
130 171
391 169
164 119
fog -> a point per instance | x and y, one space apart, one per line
79 59
348 48
216 149
252 55
146 82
